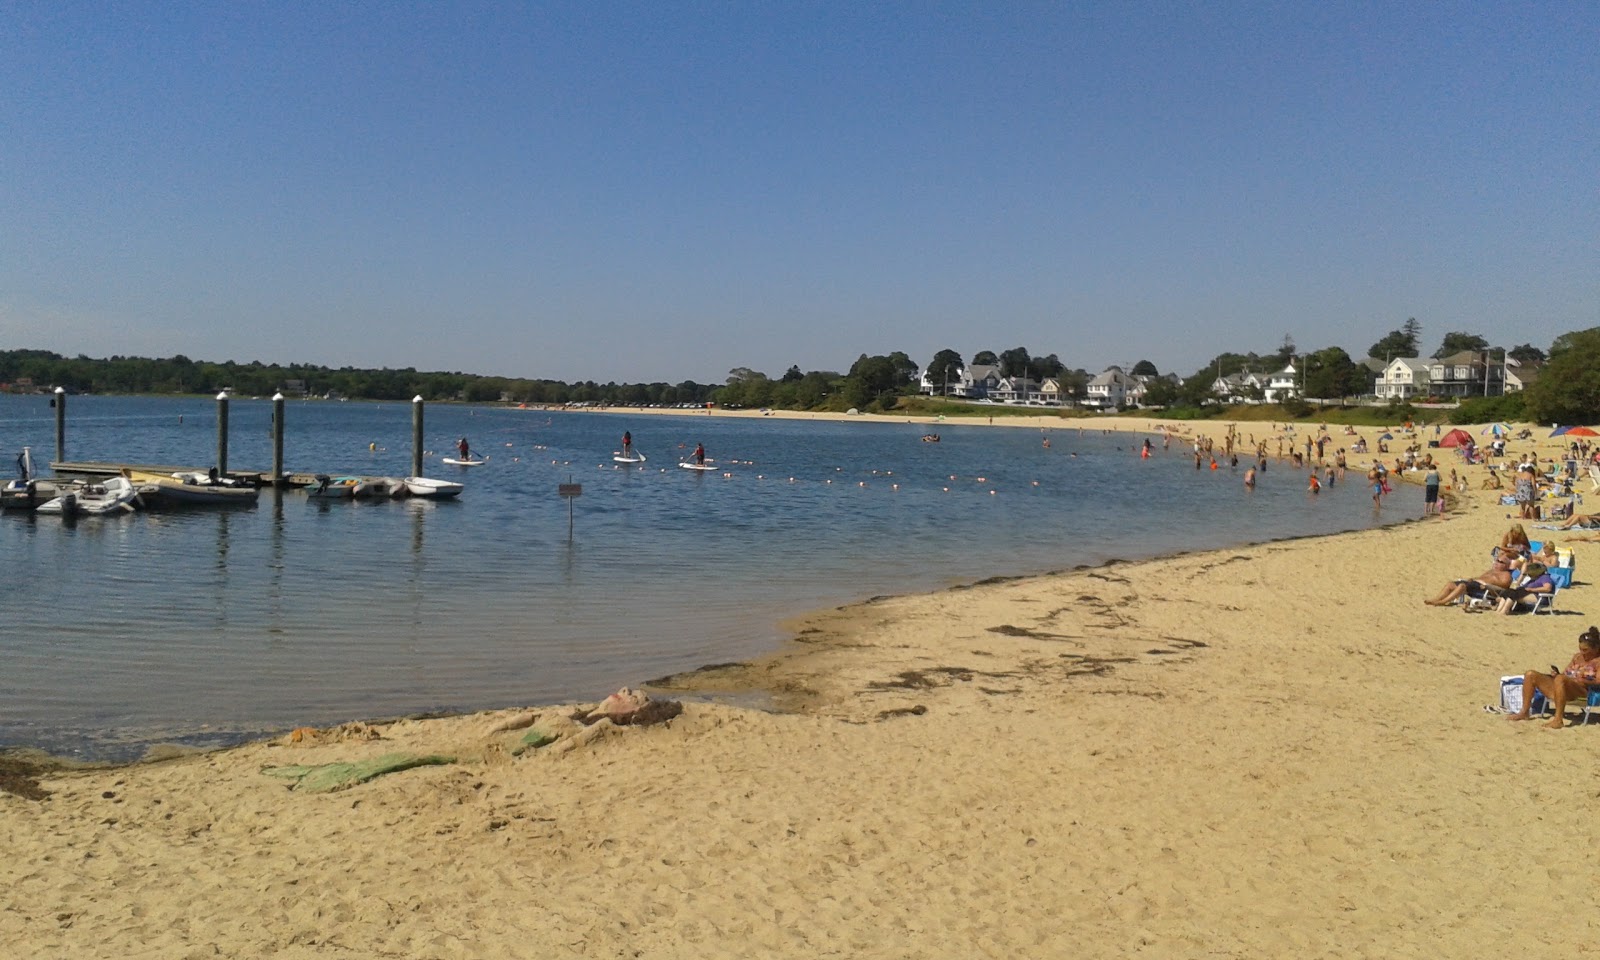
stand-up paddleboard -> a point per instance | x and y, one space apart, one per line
475 462
636 458
697 466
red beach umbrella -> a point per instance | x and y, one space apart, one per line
1582 432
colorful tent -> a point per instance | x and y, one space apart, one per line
1456 438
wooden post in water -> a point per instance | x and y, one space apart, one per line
277 441
416 435
61 424
222 434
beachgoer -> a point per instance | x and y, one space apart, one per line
1250 479
1430 492
1376 480
700 454
1315 485
1515 541
464 449
1574 683
1495 576
1536 581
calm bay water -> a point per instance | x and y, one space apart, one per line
209 626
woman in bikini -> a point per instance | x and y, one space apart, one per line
1574 683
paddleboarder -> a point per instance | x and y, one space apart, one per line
627 443
464 449
700 454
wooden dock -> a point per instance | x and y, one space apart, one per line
97 469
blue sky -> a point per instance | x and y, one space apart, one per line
646 191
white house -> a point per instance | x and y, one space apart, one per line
977 380
1015 390
1403 378
1243 387
1109 390
1285 383
1519 375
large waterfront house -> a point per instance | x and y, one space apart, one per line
1109 390
1282 384
975 382
1403 379
1015 390
1520 374
1466 374
1241 387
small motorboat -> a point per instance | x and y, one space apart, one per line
194 488
333 488
435 489
377 488
115 495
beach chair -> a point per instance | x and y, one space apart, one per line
1590 704
1594 477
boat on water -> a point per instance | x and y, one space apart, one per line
333 488
195 489
115 495
27 495
378 488
436 489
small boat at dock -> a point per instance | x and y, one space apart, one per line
195 489
116 495
436 489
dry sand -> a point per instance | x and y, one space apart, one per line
1255 752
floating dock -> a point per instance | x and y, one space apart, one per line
95 469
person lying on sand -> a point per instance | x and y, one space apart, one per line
1572 684
1582 520
1497 576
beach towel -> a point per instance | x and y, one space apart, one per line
327 777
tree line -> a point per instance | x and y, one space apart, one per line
1568 391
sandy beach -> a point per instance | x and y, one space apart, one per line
1252 752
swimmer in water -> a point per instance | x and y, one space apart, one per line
1250 479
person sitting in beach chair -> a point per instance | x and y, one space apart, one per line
1574 683
1536 583
1494 578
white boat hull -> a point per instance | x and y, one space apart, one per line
436 489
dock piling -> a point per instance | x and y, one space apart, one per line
416 435
222 434
61 424
277 441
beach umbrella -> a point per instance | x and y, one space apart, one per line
1560 431
1582 432
1496 429
1385 436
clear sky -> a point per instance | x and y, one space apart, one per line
663 191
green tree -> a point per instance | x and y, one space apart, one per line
1398 343
1456 342
1043 368
1160 392
793 374
985 358
944 367
1569 389
1526 353
1330 374
1144 368
1014 362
